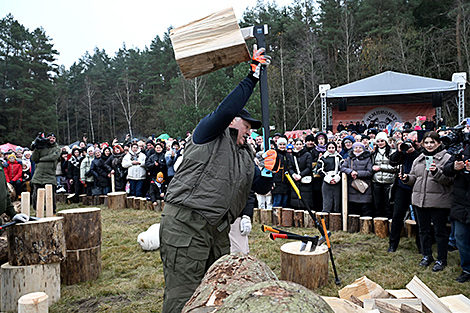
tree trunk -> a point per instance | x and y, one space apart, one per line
117 200
335 222
366 225
227 275
353 223
381 227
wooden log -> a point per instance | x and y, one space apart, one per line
36 302
308 220
325 216
17 281
143 204
266 216
227 275
150 206
208 44
353 223
287 217
275 296
36 242
392 305
299 218
137 203
3 250
256 215
366 225
411 228
381 227
356 301
60 197
117 200
344 186
335 222
49 201
129 202
277 216
82 229
82 199
25 203
102 199
309 269
95 200
40 202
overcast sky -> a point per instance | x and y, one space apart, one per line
79 26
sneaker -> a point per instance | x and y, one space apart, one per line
60 190
439 265
464 277
426 260
392 249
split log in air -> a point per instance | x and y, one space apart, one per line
208 44
227 275
381 227
36 302
37 242
117 200
366 225
266 216
287 218
353 223
277 216
17 281
335 222
309 269
298 218
275 296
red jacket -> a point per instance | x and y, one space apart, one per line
14 171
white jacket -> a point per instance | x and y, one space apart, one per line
138 171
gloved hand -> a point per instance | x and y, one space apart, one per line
270 161
245 225
21 218
259 59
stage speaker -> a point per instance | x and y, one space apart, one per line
437 100
343 104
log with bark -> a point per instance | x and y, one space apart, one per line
117 200
299 218
287 218
227 275
335 222
3 250
325 216
366 225
256 215
353 223
275 296
308 220
277 216
381 227
35 302
266 216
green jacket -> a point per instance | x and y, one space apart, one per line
214 178
5 202
46 162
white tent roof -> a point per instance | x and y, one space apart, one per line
391 83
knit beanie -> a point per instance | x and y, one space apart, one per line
381 136
359 144
11 156
160 176
282 140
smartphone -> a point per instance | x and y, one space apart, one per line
468 121
402 170
429 161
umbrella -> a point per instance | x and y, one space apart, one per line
76 143
164 136
254 135
6 147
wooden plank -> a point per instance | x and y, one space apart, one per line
363 288
343 306
345 201
457 303
429 298
40 202
400 293
49 201
208 44
405 308
384 305
25 203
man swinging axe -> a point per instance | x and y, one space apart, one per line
209 191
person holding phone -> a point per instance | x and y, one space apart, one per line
432 198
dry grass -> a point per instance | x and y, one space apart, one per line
132 280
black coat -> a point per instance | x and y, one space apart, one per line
100 170
460 209
304 160
281 185
120 174
154 169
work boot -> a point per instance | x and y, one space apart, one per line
464 277
426 260
439 265
392 248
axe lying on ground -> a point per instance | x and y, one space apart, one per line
288 235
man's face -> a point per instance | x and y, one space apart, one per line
244 130
135 148
52 139
259 140
90 152
310 144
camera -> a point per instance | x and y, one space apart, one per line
406 145
40 142
456 140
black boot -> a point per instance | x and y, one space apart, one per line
439 265
391 248
426 260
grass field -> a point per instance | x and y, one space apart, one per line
132 279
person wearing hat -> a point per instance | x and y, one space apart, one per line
86 177
46 160
157 191
281 186
14 173
346 144
5 202
209 191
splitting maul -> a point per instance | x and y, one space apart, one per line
305 240
318 242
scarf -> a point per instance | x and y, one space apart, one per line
321 148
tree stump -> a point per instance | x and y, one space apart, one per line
150 206
36 302
309 269
227 275
353 223
3 250
266 216
411 228
275 296
335 222
308 220
366 225
103 200
129 202
17 281
117 200
277 216
325 216
143 204
299 218
60 197
137 203
287 217
36 242
82 228
256 215
381 227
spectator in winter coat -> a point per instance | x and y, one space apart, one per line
281 186
86 177
157 191
73 173
359 165
150 148
120 173
27 159
14 174
346 144
301 168
134 161
101 173
156 162
170 157
329 166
